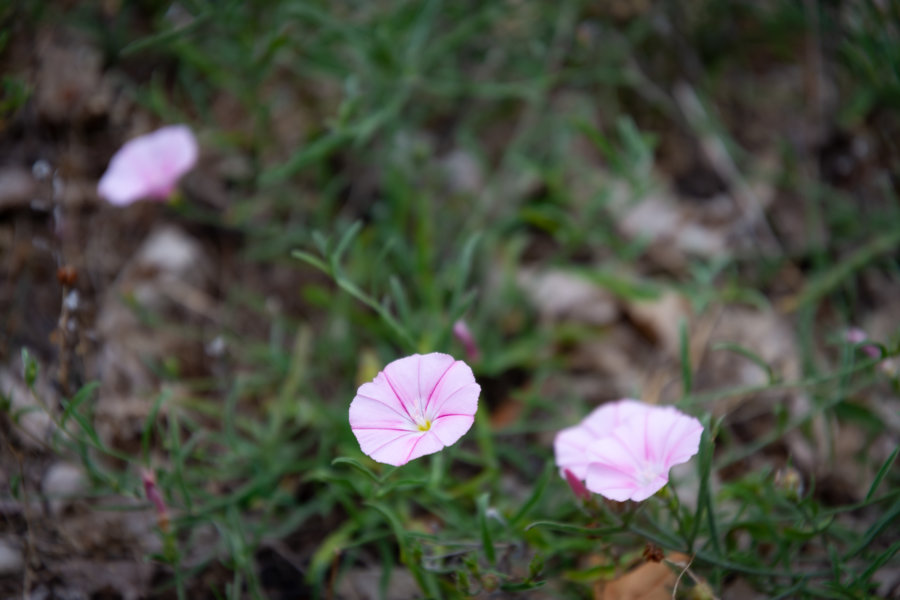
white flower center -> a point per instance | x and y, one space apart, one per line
648 474
418 416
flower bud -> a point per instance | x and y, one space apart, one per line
151 490
789 480
462 333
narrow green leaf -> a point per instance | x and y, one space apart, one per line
321 241
487 541
30 367
330 547
687 371
396 526
464 268
401 300
874 530
149 422
522 586
749 355
71 405
593 531
311 259
705 503
308 154
882 472
831 279
166 37
535 496
344 460
878 562
344 243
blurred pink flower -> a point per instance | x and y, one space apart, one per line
857 336
149 166
416 406
574 445
462 333
624 450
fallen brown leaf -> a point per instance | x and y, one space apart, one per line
649 581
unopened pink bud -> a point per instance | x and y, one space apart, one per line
577 485
151 490
462 333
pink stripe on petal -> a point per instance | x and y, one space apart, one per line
427 444
382 394
435 372
385 446
457 377
684 441
463 401
449 428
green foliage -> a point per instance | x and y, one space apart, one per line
389 267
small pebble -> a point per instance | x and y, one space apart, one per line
62 484
11 561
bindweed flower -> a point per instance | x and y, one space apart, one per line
623 450
416 406
462 333
149 166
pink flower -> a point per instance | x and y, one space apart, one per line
149 166
462 333
416 406
624 450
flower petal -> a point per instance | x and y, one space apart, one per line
620 470
572 449
637 456
462 401
369 413
449 428
381 393
403 377
572 445
673 437
620 485
602 420
387 446
397 447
